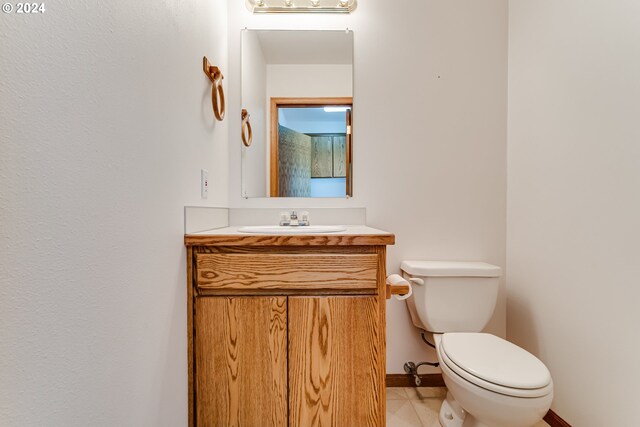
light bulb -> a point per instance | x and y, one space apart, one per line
315 3
344 3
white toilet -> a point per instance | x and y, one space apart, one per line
491 382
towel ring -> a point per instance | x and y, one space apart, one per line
217 92
247 133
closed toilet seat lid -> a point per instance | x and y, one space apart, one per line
493 363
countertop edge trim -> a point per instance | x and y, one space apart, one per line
289 240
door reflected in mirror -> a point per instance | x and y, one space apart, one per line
297 87
310 147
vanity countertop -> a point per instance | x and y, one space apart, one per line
230 236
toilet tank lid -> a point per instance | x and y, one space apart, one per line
450 269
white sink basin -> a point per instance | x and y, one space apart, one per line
287 229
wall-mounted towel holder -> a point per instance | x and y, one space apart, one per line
217 92
247 133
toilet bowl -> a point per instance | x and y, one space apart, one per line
491 382
497 383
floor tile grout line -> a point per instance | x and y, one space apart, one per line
411 417
415 412
419 417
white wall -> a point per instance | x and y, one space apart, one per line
304 80
429 133
105 122
574 205
254 93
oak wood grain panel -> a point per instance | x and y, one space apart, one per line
311 102
286 271
321 157
273 143
339 156
241 362
288 240
335 365
287 249
190 332
282 292
382 319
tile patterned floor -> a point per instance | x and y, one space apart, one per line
417 407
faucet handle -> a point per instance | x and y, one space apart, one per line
285 219
304 215
294 215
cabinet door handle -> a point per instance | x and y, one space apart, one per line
247 133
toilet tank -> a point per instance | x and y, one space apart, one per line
455 296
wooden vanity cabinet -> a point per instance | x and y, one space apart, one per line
296 339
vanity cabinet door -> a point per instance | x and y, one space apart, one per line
241 361
336 367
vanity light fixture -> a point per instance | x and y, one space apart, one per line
336 109
301 6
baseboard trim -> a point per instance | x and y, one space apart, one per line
435 380
554 420
404 380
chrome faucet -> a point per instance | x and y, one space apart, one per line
291 219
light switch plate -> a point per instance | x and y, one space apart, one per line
204 183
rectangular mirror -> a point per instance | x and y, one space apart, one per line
297 90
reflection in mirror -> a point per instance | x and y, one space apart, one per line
297 86
309 147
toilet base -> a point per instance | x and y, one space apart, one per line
451 413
